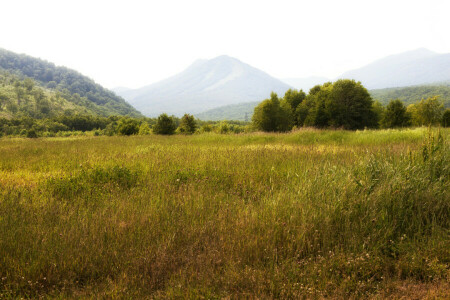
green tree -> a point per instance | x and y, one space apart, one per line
128 126
427 112
188 125
164 125
144 129
313 109
446 118
379 110
270 115
294 98
350 106
395 115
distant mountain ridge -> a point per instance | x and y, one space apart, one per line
417 67
77 88
204 85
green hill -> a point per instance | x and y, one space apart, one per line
413 94
408 95
74 87
25 98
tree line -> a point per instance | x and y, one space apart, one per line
344 104
80 124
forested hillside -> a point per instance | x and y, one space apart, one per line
25 98
76 88
413 94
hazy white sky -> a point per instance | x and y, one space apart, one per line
134 43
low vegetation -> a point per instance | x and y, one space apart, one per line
312 213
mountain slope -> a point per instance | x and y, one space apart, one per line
24 98
417 67
236 112
413 94
101 101
205 85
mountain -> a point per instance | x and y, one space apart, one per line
306 83
417 67
76 88
205 85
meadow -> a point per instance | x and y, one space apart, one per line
306 214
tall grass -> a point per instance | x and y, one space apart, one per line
306 214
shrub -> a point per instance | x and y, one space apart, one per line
164 125
32 133
187 124
144 129
128 127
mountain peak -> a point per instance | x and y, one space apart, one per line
206 84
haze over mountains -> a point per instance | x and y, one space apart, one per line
206 84
225 81
416 67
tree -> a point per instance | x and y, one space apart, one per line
128 126
395 115
427 112
446 118
350 105
312 111
294 98
144 129
270 115
164 125
379 111
187 124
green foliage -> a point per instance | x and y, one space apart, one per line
128 126
164 125
188 125
350 106
72 86
395 115
32 133
446 118
343 104
379 111
412 94
271 115
427 112
294 98
144 129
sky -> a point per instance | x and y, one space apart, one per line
135 43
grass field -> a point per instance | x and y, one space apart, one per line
305 214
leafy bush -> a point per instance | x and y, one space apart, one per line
128 127
164 125
187 124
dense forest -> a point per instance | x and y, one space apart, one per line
75 87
